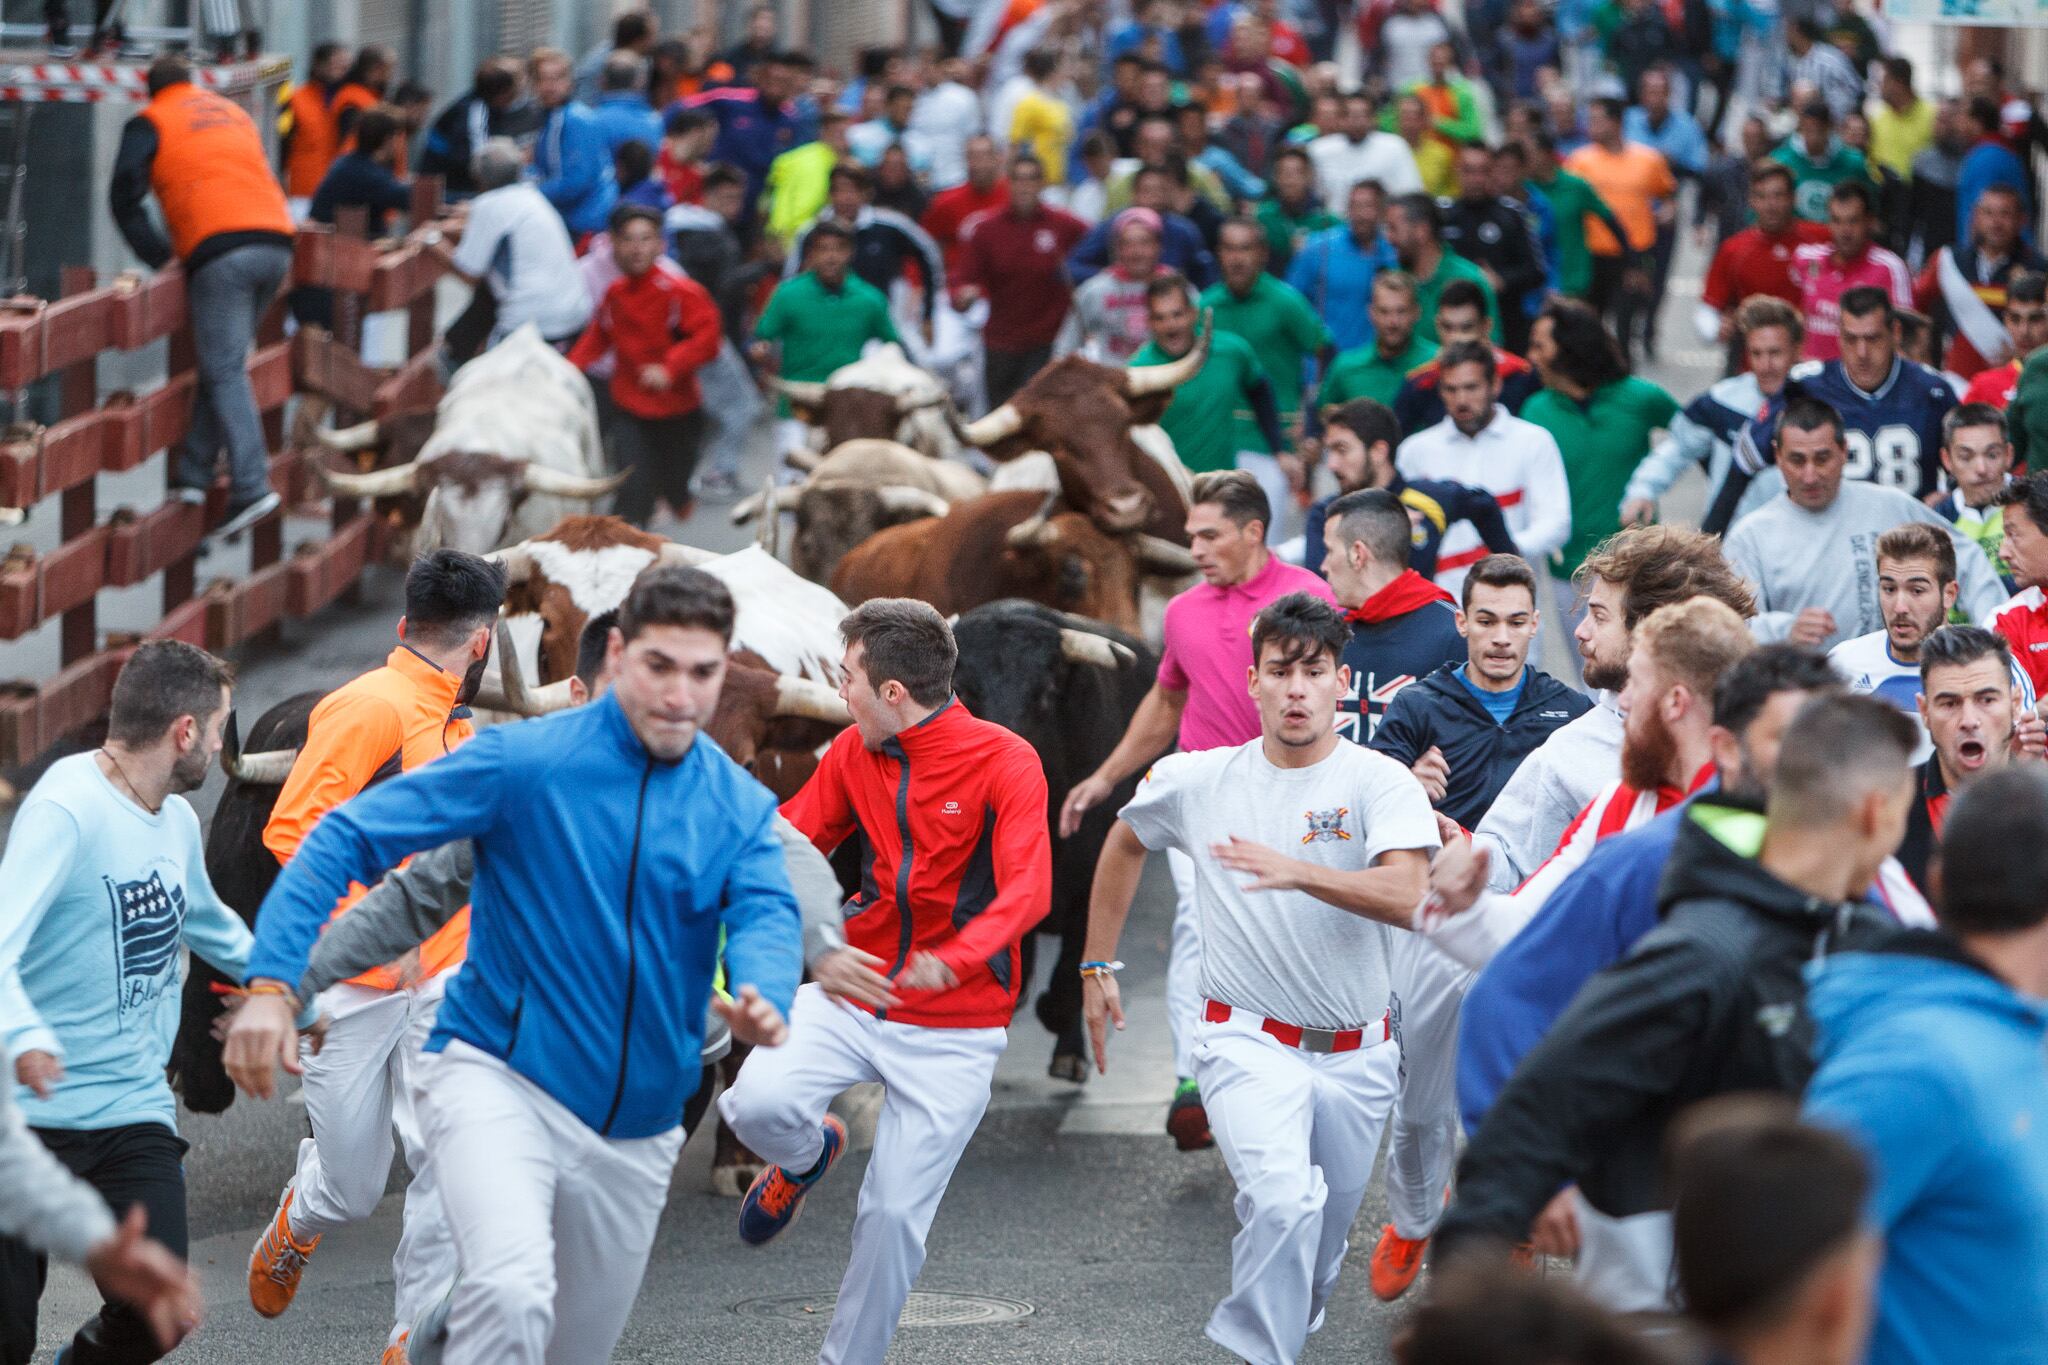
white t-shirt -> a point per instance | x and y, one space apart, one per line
1341 163
1868 665
515 239
1285 954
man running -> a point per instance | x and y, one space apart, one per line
388 721
569 1045
951 811
1970 712
1200 699
1293 1057
105 871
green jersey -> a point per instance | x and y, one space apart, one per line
1602 440
1572 201
1286 230
821 329
1364 373
1210 418
1450 267
2026 418
1812 180
1282 329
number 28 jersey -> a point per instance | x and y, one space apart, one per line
1893 431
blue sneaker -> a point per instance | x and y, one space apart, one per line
776 1197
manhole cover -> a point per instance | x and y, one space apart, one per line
922 1309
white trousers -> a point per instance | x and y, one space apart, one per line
1624 1264
937 1081
359 1088
552 1222
1273 480
1422 1150
1299 1131
1183 965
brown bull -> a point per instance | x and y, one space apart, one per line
1081 413
1009 545
597 557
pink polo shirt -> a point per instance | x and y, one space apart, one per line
1209 650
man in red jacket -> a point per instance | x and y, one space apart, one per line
662 327
951 811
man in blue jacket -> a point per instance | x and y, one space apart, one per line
1466 727
572 165
622 112
613 844
1930 1059
1403 626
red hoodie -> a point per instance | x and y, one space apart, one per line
657 318
952 814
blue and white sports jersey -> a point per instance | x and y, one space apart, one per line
1894 432
1868 665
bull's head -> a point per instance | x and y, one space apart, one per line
1091 573
1082 414
268 768
469 497
851 414
562 619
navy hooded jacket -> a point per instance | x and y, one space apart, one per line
1441 711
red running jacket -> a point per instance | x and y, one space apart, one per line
957 858
658 318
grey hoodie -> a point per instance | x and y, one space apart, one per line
41 1202
1525 822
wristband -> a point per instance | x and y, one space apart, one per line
1089 969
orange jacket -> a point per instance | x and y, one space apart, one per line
351 99
389 720
210 174
316 140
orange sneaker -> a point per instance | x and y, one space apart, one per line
1396 1261
277 1262
394 1354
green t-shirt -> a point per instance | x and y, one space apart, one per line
1210 418
1283 331
1602 441
1452 267
1812 180
1364 373
2026 417
1285 232
1572 201
821 329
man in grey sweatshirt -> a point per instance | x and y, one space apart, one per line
1811 552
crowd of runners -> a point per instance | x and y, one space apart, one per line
1716 964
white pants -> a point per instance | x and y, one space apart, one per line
552 1222
938 1085
1422 1151
1183 965
1299 1131
359 1087
1624 1264
1273 479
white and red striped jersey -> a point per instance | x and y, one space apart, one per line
1516 461
1823 280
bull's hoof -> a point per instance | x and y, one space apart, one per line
733 1167
1068 1066
1049 1013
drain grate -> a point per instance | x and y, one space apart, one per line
923 1308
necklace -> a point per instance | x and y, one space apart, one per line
129 782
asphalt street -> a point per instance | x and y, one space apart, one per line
1071 1206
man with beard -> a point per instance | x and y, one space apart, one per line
106 877
1916 590
388 721
1971 712
1627 577
1675 660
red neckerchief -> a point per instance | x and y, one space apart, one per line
1410 592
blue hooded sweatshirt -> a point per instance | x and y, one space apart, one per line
572 165
1934 1066
603 878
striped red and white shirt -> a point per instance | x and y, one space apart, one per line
1516 461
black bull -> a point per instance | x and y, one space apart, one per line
1012 671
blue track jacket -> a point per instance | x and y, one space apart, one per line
603 877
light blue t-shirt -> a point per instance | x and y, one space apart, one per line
1499 705
96 897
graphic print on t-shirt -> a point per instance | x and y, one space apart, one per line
1325 826
148 919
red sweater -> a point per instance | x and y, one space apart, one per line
958 859
1021 265
951 208
659 318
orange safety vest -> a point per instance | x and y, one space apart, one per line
316 140
387 721
211 174
358 98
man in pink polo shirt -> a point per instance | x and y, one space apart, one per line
1202 699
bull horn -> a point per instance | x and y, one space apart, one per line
361 436
903 498
516 560
810 393
907 403
769 535
1163 556
672 555
804 458
1140 380
1035 529
557 484
268 768
986 431
512 693
378 483
783 499
810 700
1086 647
